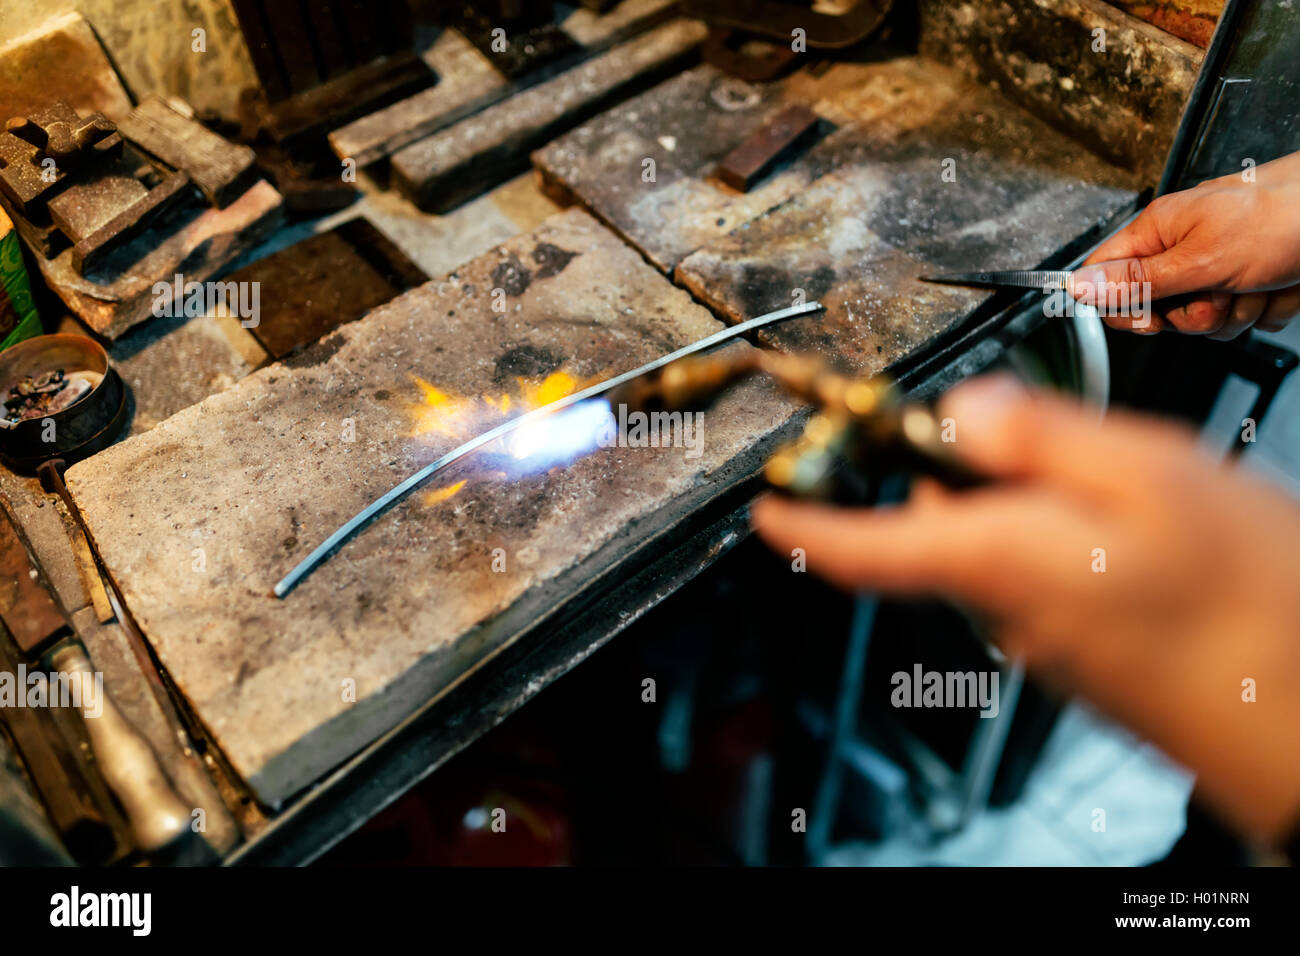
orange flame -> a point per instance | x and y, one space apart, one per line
442 494
455 416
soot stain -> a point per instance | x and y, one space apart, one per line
551 259
525 361
511 276
763 288
316 353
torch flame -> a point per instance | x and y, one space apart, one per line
551 440
442 494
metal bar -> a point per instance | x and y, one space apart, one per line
826 804
382 504
1045 279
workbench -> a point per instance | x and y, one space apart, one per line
580 268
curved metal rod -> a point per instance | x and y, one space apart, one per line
382 504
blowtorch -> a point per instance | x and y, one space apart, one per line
861 429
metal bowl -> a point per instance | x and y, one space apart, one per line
90 423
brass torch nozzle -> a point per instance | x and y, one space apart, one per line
861 426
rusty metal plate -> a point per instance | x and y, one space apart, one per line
199 245
258 474
756 156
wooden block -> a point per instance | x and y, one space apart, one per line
466 80
27 608
260 473
300 120
470 80
314 286
221 169
444 170
597 25
532 40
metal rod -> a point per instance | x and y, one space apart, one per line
382 504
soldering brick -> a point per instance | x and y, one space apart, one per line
227 496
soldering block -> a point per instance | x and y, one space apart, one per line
198 518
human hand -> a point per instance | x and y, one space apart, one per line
1120 562
1223 256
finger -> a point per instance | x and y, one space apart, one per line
1005 432
1244 312
905 550
1283 306
1148 324
1139 239
1128 284
927 491
1200 314
999 550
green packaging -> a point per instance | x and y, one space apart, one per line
18 317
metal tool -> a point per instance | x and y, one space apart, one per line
1048 280
158 816
383 503
862 431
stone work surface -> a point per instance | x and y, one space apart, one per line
451 166
684 126
960 180
876 116
1123 101
198 518
34 70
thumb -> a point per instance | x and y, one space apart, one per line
1128 285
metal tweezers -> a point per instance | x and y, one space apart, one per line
382 504
1050 280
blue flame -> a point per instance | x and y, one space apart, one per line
560 438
